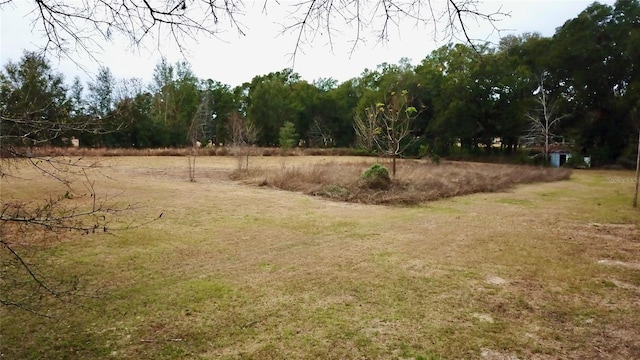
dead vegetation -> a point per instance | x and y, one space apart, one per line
49 151
417 181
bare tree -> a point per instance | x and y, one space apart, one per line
197 131
243 133
320 134
388 126
543 119
71 26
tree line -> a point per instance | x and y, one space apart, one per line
468 98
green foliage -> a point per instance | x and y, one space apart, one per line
337 108
271 102
597 58
376 177
175 101
575 161
288 136
462 98
100 98
140 130
33 102
426 151
376 170
223 102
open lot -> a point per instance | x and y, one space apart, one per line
542 271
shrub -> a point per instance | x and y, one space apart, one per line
221 151
376 177
363 152
626 162
316 151
269 151
208 151
575 161
288 136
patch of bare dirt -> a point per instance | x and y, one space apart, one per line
611 232
628 265
496 280
490 354
625 285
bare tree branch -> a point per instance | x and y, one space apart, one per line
311 18
23 221
28 227
77 26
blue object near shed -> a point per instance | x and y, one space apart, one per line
559 158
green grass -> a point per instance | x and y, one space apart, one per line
521 202
233 271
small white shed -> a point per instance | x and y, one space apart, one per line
559 158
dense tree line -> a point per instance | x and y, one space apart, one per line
470 98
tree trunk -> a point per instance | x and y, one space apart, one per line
635 197
393 171
546 149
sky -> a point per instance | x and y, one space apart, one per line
233 59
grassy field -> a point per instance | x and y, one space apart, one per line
232 271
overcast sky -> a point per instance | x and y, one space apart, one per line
265 49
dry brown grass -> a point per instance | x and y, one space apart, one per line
185 151
543 271
416 181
